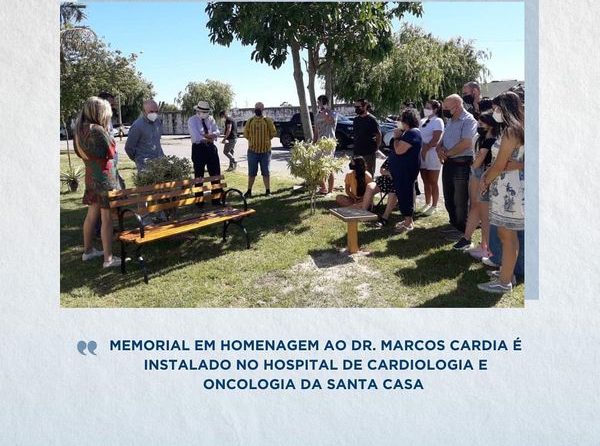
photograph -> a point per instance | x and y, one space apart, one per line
292 154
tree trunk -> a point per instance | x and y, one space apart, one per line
313 53
329 82
68 150
298 78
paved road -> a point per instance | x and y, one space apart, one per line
181 146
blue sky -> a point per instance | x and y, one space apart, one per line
172 42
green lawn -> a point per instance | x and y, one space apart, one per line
294 262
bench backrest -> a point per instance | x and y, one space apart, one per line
161 196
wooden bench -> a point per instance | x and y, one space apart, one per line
167 199
352 216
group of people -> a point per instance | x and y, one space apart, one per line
95 145
478 145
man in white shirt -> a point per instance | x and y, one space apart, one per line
204 132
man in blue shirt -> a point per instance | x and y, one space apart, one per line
455 151
143 140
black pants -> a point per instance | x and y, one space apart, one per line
206 157
455 184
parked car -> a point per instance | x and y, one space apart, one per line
116 127
290 131
240 127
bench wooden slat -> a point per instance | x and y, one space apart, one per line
160 186
183 202
144 198
152 233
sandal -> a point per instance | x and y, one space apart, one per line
401 227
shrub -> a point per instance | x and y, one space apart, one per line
160 170
313 162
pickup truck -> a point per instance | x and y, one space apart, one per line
291 130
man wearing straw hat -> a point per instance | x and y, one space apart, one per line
204 132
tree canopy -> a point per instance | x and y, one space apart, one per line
328 31
419 67
89 66
218 94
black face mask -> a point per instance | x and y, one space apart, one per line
447 114
258 112
469 99
351 166
358 110
482 131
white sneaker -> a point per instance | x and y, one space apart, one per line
430 211
495 286
115 261
424 209
91 255
486 261
495 274
478 252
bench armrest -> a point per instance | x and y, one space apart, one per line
237 191
123 211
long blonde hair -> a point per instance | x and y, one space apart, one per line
95 111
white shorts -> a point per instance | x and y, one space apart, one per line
432 162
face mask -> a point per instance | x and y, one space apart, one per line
351 166
258 112
447 114
427 112
482 131
203 115
469 99
358 110
498 117
152 116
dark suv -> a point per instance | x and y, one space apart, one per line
291 130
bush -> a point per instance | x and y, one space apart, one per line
160 170
313 162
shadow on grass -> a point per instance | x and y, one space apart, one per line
465 295
327 258
280 212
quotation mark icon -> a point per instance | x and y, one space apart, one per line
90 346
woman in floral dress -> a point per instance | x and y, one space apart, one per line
95 146
506 182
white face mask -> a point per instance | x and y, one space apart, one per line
498 117
203 115
152 116
427 112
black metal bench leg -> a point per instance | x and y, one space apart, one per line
225 226
123 254
239 223
142 263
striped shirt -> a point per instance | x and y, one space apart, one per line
259 131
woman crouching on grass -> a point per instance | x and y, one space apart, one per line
355 183
95 146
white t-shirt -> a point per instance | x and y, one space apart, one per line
436 123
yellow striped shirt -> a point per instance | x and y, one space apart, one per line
259 130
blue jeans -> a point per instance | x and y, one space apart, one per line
256 159
496 247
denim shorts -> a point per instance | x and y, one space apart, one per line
256 159
477 173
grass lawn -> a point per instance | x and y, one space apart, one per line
295 261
